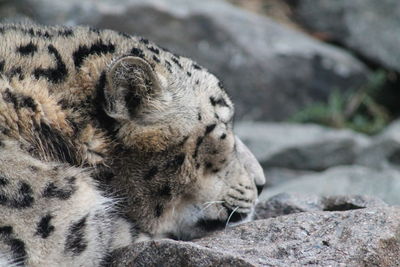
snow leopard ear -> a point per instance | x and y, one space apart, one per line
132 84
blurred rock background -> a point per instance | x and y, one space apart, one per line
286 63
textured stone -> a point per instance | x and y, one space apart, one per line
369 27
173 253
384 150
285 203
363 237
344 180
276 176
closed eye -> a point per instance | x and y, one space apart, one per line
224 114
219 102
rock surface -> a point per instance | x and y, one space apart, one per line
384 150
344 180
300 146
369 27
276 175
271 71
364 237
285 203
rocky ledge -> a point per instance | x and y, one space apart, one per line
339 231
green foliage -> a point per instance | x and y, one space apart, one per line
357 110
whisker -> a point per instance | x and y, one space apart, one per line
230 216
212 202
208 204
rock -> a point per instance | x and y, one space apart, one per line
270 70
285 203
276 176
364 237
350 202
369 27
344 180
384 150
173 253
300 146
11 9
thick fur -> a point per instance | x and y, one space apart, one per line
107 139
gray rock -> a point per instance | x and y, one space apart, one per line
364 237
173 253
285 203
300 146
276 176
384 150
271 71
344 180
11 9
369 27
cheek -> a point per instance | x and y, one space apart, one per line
221 151
211 188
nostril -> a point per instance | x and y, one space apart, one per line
259 189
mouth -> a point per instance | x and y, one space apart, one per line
199 221
234 217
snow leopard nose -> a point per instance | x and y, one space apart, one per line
251 164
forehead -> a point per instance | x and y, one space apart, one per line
194 87
211 96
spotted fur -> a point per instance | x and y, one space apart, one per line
107 139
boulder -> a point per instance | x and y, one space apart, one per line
384 150
300 146
363 237
344 180
368 27
271 71
172 253
276 175
285 203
